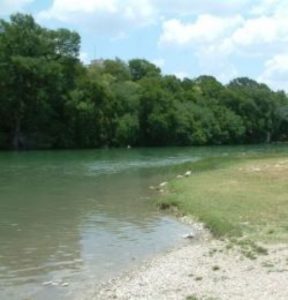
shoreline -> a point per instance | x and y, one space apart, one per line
200 235
203 270
240 260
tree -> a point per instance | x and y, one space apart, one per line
48 99
140 68
257 105
37 69
117 68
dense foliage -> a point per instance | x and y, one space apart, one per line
49 99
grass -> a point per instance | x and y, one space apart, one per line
235 197
198 278
192 297
215 268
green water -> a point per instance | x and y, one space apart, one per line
83 216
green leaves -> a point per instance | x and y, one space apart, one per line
48 99
141 68
37 70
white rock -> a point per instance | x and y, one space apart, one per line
179 176
162 184
65 284
190 235
55 283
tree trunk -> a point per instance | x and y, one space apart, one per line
18 137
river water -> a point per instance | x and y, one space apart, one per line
80 217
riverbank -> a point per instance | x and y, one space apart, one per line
205 271
236 197
244 205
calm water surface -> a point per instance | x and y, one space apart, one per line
83 216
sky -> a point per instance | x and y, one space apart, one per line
188 38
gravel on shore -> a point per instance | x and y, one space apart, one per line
205 270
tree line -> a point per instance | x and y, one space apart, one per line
50 100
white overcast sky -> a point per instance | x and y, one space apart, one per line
223 38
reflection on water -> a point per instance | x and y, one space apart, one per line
82 216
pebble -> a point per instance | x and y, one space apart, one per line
167 277
54 283
65 284
190 235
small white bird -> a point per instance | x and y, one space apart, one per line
188 173
162 184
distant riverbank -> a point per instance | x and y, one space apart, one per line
243 202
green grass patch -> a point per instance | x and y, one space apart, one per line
241 196
192 297
215 268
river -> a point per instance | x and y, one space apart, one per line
80 217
